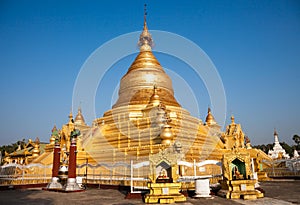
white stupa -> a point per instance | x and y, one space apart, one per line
277 152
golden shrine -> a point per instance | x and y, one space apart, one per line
238 181
65 139
26 154
146 121
163 184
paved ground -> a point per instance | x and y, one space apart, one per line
288 191
277 193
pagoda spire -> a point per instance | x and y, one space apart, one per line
210 120
79 119
145 42
71 117
136 86
276 136
145 17
154 99
232 119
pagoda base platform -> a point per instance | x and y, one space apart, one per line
240 189
164 193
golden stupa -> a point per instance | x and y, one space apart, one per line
145 120
147 117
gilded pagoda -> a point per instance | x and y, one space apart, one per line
145 120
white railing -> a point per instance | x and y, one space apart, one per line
291 168
132 174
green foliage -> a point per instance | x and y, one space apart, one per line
288 149
75 133
296 139
12 147
264 148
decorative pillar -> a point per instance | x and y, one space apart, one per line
56 163
56 160
71 182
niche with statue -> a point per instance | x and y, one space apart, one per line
237 176
164 173
164 186
238 170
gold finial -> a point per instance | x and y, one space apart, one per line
37 140
54 129
145 41
36 150
79 119
71 114
71 117
145 14
166 135
154 99
232 119
79 108
210 120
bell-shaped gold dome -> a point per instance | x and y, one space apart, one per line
154 99
52 138
136 86
79 119
210 120
36 149
166 135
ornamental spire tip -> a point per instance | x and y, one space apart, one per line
145 42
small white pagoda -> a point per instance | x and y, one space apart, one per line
277 152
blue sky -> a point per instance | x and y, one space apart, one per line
255 46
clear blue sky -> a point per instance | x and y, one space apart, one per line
255 45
